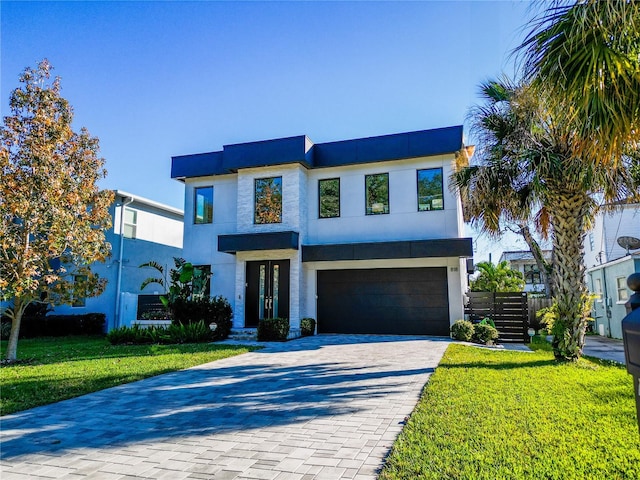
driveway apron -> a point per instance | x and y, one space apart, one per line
323 407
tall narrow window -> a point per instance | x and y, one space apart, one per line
268 200
329 197
130 223
377 193
623 293
203 211
430 190
79 286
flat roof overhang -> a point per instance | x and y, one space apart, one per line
248 242
449 247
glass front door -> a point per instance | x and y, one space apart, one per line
267 291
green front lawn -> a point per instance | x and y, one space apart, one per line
514 415
60 368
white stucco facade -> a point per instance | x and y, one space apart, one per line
233 215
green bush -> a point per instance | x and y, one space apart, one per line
307 327
484 333
462 330
208 310
273 329
198 332
488 321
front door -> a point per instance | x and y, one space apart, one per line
267 291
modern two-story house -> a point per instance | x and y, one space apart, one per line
363 235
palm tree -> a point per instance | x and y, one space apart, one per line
497 278
585 56
526 168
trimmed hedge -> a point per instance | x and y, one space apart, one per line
307 327
60 325
273 329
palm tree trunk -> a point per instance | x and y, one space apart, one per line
568 213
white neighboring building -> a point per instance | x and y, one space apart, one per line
600 245
363 235
148 231
523 262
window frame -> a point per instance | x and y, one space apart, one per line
206 219
255 200
368 210
531 272
320 197
622 289
133 226
418 189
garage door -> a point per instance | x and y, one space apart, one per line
407 301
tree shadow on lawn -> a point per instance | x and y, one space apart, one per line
202 400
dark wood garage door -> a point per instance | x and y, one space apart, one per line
407 301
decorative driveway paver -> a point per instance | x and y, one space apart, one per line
323 407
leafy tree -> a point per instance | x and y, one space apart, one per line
538 175
52 214
585 58
497 278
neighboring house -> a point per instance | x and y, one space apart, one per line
609 265
523 262
148 230
364 235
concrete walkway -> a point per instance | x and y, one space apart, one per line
604 348
324 407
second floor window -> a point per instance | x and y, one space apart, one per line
203 211
430 190
130 223
532 274
377 193
268 200
329 197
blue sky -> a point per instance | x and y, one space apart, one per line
156 79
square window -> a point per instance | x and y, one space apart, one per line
377 193
268 200
532 274
79 285
203 211
430 195
621 286
130 223
329 198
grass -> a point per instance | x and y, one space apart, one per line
59 368
489 414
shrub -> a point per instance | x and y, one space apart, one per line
484 333
307 327
209 310
273 329
198 332
462 330
488 321
62 325
156 315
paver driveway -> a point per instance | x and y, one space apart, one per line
324 407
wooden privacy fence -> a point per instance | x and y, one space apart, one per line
509 311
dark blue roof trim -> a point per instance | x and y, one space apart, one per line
245 242
300 150
449 247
